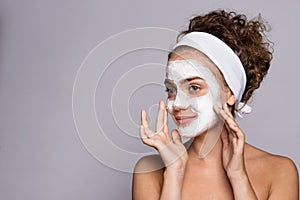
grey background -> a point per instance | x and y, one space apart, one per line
43 43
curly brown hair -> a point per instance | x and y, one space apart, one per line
246 38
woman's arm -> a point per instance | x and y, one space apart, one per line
173 180
233 140
173 154
147 178
285 183
151 181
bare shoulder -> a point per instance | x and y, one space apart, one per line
255 156
150 163
147 178
279 172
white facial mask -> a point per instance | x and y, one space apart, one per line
202 106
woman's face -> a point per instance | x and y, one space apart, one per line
194 85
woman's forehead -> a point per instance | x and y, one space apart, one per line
186 53
202 59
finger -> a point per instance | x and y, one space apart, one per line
240 137
230 122
176 137
238 146
235 145
142 133
149 132
144 119
227 111
227 118
166 132
222 114
145 133
237 142
230 119
165 119
237 131
145 138
224 138
166 128
231 136
145 124
157 144
218 111
160 118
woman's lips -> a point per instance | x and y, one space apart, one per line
184 120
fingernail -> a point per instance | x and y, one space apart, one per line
161 103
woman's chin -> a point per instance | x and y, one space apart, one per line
190 134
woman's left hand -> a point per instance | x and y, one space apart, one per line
233 140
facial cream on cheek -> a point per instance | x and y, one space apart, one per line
203 106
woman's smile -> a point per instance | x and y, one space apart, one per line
184 120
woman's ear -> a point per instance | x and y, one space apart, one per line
230 97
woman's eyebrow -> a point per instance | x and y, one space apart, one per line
192 78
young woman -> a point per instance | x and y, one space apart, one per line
211 74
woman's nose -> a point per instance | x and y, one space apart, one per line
179 103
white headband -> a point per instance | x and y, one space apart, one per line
225 59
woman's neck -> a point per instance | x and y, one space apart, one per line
206 148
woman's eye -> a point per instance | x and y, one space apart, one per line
194 88
171 90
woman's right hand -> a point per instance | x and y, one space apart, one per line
173 153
